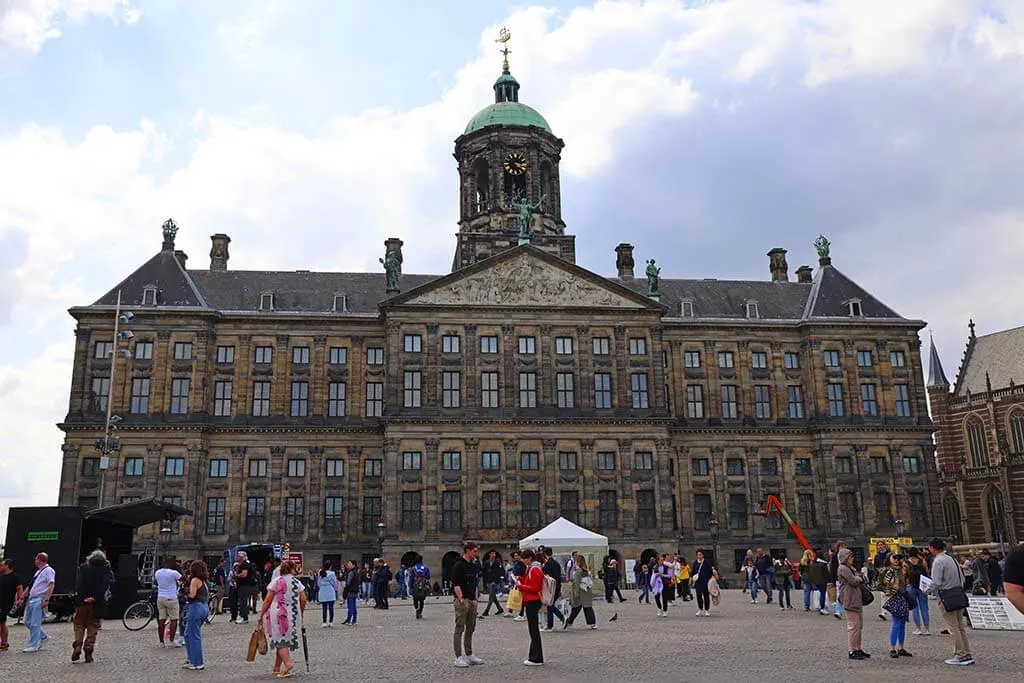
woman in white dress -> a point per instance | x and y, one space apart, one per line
281 617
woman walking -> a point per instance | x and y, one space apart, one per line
848 582
702 573
327 594
197 610
892 581
530 585
581 596
683 580
784 582
350 591
281 617
918 567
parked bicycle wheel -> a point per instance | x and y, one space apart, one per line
210 618
138 615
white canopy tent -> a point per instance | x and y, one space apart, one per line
564 537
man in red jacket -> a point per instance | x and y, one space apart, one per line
530 585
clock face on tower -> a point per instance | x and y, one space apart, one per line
515 163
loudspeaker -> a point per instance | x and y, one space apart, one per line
128 565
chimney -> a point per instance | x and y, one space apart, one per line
219 251
181 257
624 261
777 265
804 274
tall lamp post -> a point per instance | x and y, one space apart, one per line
899 528
380 537
713 525
111 443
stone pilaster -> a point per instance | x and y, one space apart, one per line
432 502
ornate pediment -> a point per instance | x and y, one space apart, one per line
526 280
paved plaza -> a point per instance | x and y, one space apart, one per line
739 640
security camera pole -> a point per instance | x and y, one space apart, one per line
110 443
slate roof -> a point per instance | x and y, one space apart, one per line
936 376
1000 355
175 286
728 298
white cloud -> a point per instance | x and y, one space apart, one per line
28 24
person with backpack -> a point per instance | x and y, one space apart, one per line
420 585
531 584
553 569
494 572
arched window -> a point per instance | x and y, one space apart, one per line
1017 432
994 507
481 192
545 185
977 443
951 515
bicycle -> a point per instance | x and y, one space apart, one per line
142 612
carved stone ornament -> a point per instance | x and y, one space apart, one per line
525 280
278 451
238 451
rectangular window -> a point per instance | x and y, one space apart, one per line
527 390
413 343
90 467
133 467
638 389
734 467
567 461
897 358
222 390
805 509
104 350
911 464
490 461
529 460
726 359
795 405
563 346
730 405
183 351
334 467
643 460
802 467
701 467
769 467
374 399
336 399
258 467
602 390
759 360
844 464
264 355
372 512
606 460
791 360
260 399
702 511
218 468
569 505
527 346
489 344
490 510
530 504
902 400
918 516
412 385
879 465
638 346
130 499
412 460
294 515
450 343
143 350
140 396
868 400
451 461
566 390
883 510
488 390
865 359
333 514
691 359
100 393
848 510
296 467
737 511
451 510
412 510
451 384
255 515
763 402
375 356
831 358
835 400
372 467
174 467
607 509
179 396
602 346
216 515
300 399
300 355
338 355
695 401
646 514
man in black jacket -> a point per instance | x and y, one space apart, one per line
553 569
494 573
91 585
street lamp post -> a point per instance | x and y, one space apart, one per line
111 443
713 525
380 537
899 528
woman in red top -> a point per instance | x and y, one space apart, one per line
530 585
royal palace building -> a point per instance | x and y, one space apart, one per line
349 412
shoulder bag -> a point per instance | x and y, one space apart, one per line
866 596
953 599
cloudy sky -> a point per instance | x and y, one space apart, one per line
704 132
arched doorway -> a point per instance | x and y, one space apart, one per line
648 555
996 515
410 558
951 516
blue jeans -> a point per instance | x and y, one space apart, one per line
403 590
327 607
645 592
920 613
897 633
752 585
365 591
552 613
350 603
34 622
194 620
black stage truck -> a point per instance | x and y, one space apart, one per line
68 533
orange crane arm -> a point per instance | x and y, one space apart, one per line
773 502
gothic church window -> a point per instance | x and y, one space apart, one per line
977 442
1017 433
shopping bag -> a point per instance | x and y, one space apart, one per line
515 600
257 645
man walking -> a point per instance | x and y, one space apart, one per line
168 608
465 580
945 576
91 585
244 578
38 600
494 572
553 569
12 592
420 585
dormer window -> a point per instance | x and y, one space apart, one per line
266 302
853 308
686 308
340 303
752 310
149 295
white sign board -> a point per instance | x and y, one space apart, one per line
994 614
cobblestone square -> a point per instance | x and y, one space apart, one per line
738 640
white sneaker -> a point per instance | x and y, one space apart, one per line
461 662
707 613
239 620
593 627
527 662
473 659
519 619
918 632
323 625
31 649
823 611
925 632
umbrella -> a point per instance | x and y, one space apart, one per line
305 647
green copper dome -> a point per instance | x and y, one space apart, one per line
507 114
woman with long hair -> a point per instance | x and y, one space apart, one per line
530 585
702 572
197 596
281 617
582 596
892 581
327 594
918 567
